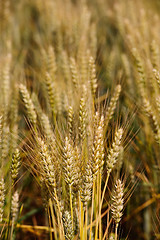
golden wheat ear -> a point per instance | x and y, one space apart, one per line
14 206
114 151
51 93
117 204
15 165
2 198
87 183
28 104
92 76
74 73
67 222
112 105
70 121
82 116
47 165
153 119
98 146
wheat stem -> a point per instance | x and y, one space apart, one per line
104 190
86 215
97 206
116 230
100 226
91 219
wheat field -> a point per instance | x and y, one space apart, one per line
79 119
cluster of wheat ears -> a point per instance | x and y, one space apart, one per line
79 119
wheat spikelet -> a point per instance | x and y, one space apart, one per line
2 198
82 116
74 72
158 104
87 182
92 76
47 165
112 104
6 80
157 76
44 193
98 146
120 159
153 119
114 151
51 92
28 104
154 54
51 63
15 164
47 126
78 173
14 206
67 222
44 120
70 120
117 201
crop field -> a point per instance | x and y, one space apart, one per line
79 119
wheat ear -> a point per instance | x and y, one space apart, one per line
74 72
28 104
51 94
82 115
114 151
67 222
14 206
117 204
15 164
112 104
153 119
92 76
2 198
